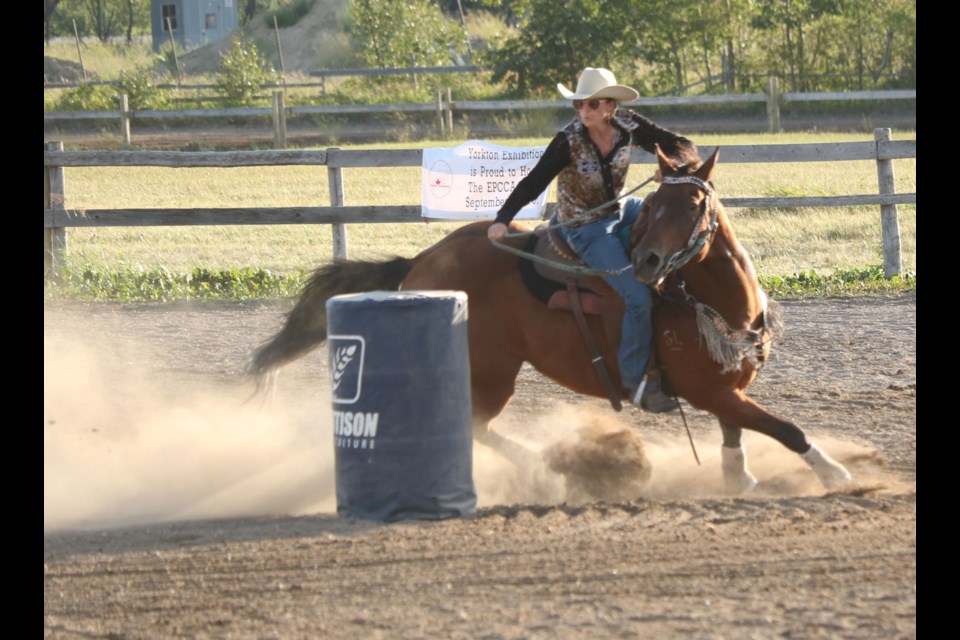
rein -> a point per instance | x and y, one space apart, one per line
588 271
583 216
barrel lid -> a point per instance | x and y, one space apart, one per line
411 295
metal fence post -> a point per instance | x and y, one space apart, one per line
889 216
335 180
54 238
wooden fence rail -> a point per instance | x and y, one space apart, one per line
444 107
57 217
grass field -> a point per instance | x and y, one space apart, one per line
781 242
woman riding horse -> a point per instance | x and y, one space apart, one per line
590 158
713 322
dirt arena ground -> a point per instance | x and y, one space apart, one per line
175 509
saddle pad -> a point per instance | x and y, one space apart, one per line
549 285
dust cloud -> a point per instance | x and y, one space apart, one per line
122 447
650 465
118 450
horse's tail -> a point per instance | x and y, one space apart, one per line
306 325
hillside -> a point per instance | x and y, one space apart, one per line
308 45
58 70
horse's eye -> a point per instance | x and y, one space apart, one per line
693 206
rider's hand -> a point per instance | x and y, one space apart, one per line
658 176
496 231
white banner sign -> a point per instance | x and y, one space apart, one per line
472 181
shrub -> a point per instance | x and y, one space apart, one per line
89 97
243 71
142 92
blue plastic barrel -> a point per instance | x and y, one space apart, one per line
400 386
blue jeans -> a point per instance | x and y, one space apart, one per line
598 244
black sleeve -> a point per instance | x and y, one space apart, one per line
554 159
647 134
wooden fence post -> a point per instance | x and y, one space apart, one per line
76 36
173 47
283 70
889 216
125 119
335 181
55 238
438 100
773 104
279 121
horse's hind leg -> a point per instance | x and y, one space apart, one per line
492 391
733 460
736 410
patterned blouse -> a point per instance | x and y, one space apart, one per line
585 179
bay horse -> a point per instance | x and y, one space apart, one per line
712 320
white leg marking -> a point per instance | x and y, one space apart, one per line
735 473
831 473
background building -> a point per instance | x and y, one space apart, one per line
192 22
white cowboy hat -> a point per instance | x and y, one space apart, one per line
599 83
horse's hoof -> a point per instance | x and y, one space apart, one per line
736 476
741 485
831 473
837 478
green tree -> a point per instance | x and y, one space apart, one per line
666 37
877 38
789 24
49 9
104 19
403 33
63 14
558 39
690 43
247 9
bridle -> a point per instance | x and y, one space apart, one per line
697 239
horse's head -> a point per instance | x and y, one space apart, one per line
677 222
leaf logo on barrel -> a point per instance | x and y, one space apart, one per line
346 367
342 359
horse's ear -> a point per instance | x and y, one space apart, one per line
667 167
705 170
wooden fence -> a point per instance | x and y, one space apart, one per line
57 216
443 107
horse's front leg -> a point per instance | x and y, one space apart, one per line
733 461
737 411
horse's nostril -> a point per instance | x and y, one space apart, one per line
652 260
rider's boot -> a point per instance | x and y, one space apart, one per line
650 396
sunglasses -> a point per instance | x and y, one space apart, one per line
592 104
